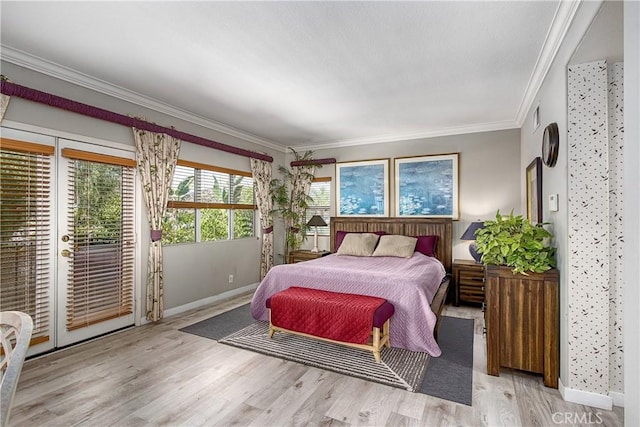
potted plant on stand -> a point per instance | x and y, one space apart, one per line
521 297
514 242
290 202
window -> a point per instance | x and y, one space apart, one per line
209 203
320 192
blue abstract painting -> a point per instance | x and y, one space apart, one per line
427 186
363 188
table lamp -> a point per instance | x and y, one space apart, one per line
470 234
316 221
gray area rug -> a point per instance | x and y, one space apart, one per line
399 368
448 376
224 324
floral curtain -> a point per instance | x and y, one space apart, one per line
302 179
157 155
4 102
261 171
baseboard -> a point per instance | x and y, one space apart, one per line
205 301
587 398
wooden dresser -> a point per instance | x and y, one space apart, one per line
468 281
522 322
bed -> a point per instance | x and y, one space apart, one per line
417 286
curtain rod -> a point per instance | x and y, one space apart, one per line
312 162
12 89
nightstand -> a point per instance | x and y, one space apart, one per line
468 281
300 256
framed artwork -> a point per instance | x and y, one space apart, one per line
427 186
362 188
534 191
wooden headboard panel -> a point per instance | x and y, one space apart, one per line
442 227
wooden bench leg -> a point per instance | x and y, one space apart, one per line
271 330
385 333
376 344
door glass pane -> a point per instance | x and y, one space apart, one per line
101 227
24 237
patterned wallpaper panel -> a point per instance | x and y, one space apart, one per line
616 142
588 212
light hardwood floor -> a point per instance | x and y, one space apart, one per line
157 375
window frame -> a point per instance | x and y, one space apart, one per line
313 209
197 206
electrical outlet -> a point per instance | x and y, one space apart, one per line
231 278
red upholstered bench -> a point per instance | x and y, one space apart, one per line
358 321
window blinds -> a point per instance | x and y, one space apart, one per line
320 192
201 186
25 212
101 236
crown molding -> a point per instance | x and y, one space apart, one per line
67 74
456 130
557 32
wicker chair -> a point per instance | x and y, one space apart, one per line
16 328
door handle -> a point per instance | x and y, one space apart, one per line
65 253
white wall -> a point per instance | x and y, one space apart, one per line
553 108
192 271
490 174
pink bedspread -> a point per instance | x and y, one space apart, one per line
409 284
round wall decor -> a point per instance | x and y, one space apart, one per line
550 142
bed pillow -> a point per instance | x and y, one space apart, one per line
341 234
427 245
396 245
358 244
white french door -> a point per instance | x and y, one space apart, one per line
95 240
67 236
27 243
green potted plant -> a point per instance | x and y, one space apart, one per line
515 242
290 204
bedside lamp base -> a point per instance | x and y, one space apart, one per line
473 250
315 241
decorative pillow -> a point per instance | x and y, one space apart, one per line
427 245
396 245
358 244
341 234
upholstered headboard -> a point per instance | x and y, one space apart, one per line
441 227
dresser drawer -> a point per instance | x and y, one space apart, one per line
470 277
472 293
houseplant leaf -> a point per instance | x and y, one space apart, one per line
515 242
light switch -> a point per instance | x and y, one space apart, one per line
553 203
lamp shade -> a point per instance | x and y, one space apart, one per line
470 232
317 221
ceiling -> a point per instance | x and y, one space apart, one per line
301 74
